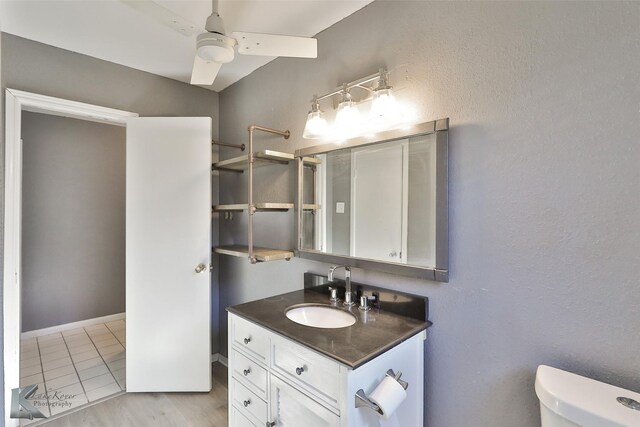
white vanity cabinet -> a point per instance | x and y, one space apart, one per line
275 381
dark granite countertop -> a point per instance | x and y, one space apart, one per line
375 331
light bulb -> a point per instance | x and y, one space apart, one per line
348 120
385 110
316 126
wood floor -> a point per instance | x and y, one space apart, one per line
156 409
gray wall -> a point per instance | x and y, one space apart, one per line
544 200
35 67
73 220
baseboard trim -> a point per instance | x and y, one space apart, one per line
219 358
73 325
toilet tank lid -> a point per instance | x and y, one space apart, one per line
583 400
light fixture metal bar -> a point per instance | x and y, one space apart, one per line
355 83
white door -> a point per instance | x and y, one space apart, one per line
379 197
168 237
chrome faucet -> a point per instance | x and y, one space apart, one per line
348 295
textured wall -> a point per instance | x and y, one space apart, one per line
35 67
544 201
73 220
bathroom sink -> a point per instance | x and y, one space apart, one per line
320 316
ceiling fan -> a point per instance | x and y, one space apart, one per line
215 48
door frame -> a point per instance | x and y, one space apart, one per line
16 102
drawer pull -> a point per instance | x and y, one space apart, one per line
247 371
247 340
270 423
300 370
246 402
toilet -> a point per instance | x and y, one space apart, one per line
570 400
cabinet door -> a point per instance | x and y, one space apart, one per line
289 407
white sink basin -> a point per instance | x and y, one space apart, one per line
320 316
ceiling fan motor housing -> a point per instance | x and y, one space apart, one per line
215 24
215 47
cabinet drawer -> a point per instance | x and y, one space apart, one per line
251 338
238 419
249 373
248 402
316 374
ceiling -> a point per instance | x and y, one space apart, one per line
117 32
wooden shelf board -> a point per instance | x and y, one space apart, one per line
259 207
311 161
310 207
261 254
277 156
262 158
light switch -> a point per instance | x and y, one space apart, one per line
339 207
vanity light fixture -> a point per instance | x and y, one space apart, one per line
385 112
316 125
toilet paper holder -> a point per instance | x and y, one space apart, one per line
363 401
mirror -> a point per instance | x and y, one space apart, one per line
378 203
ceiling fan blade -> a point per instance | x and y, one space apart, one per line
276 45
164 16
204 73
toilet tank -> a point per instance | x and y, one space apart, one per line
569 400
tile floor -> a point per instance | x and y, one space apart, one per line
75 367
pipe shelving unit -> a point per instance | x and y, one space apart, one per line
247 163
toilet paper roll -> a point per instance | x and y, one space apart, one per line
388 396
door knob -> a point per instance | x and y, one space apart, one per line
200 268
